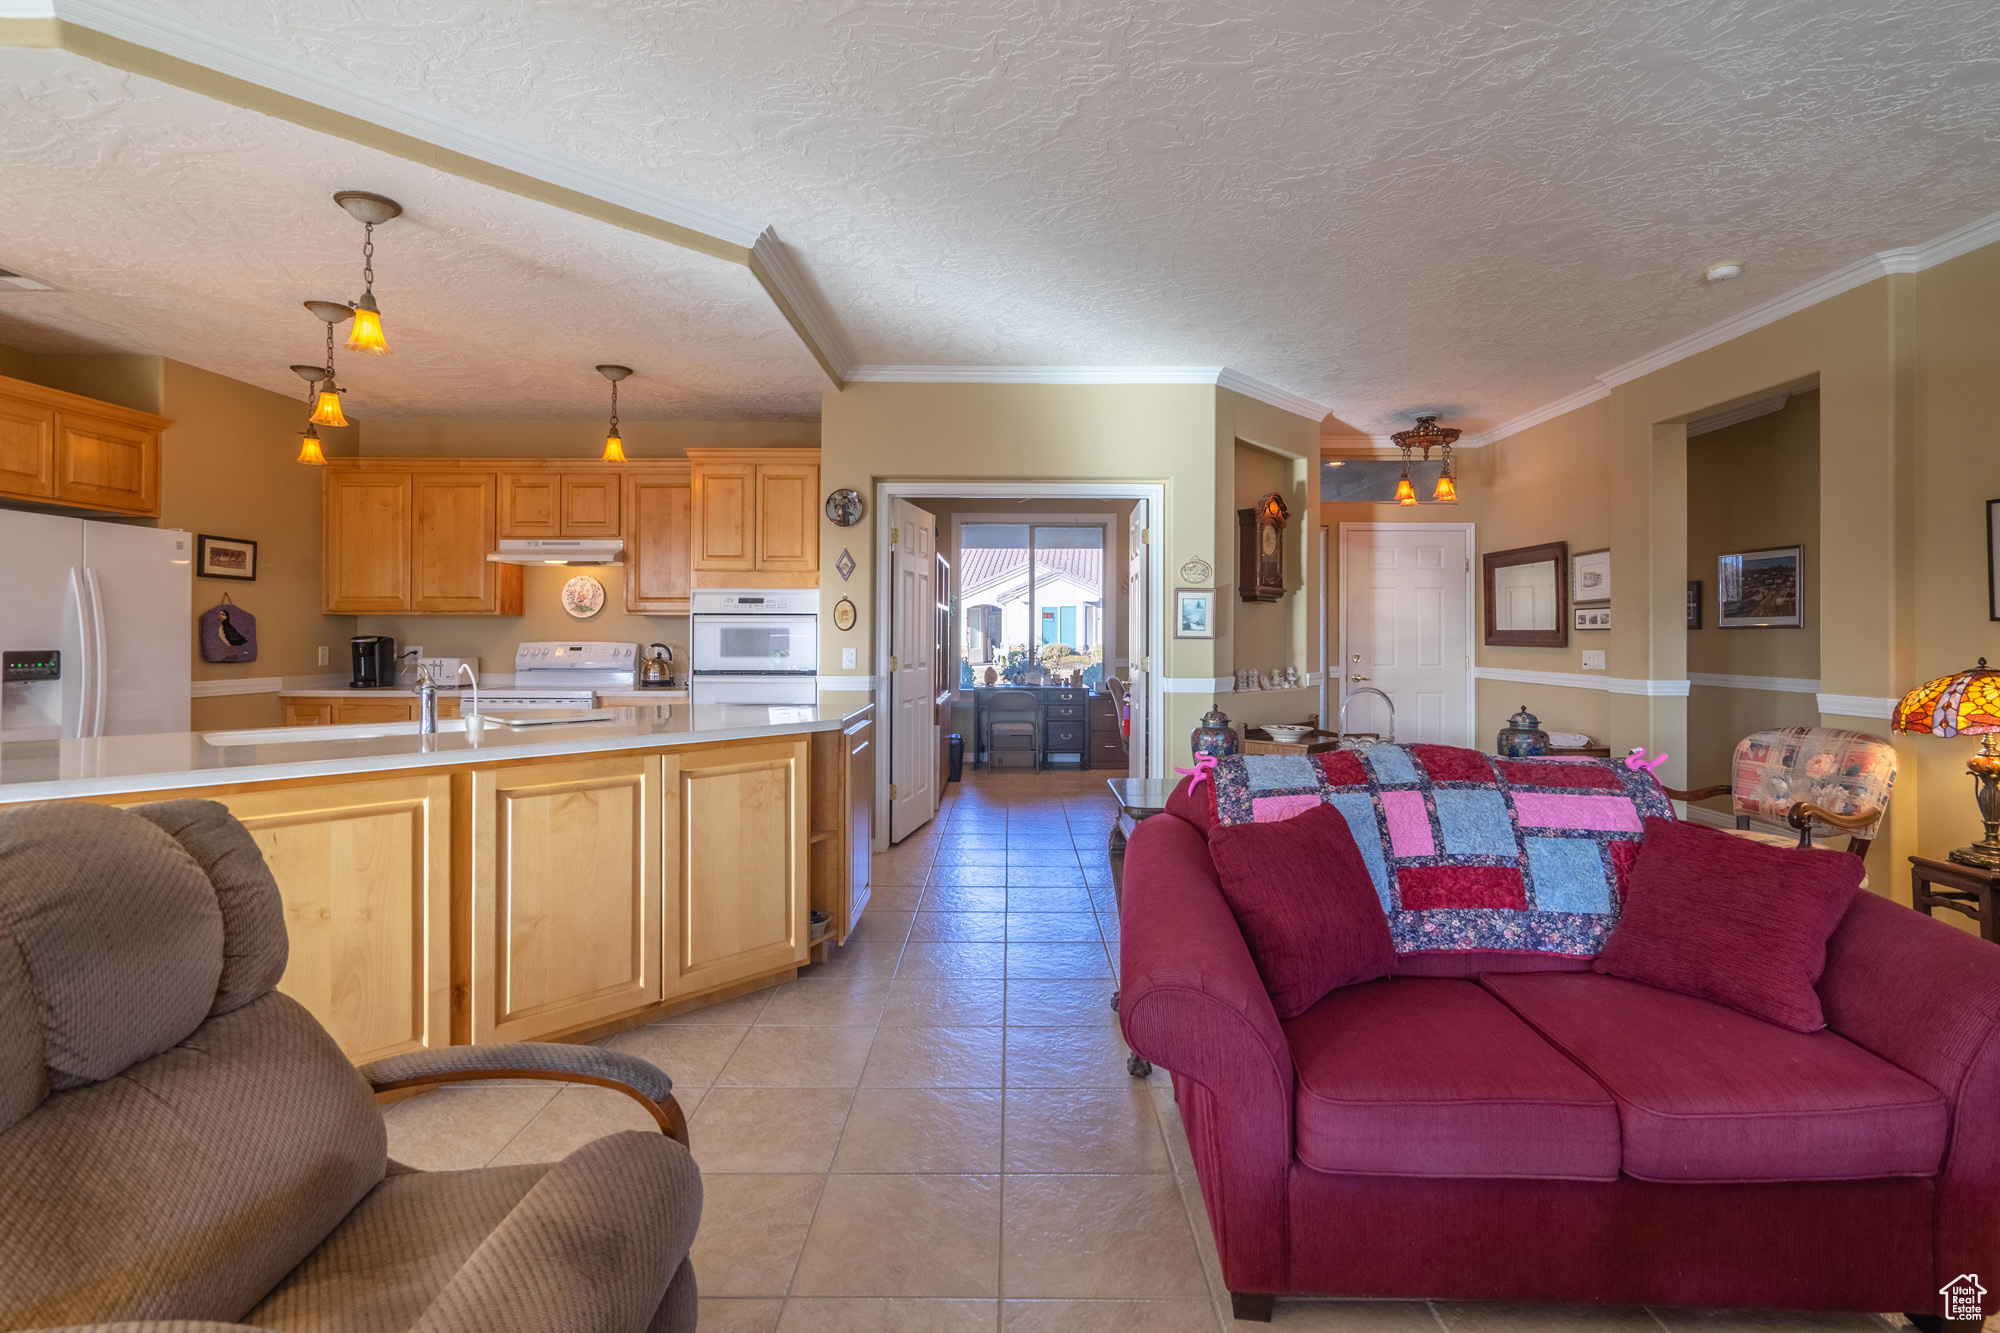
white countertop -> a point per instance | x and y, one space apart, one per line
408 689
179 761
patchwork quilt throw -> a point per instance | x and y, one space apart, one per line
1467 851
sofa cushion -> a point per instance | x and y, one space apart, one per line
1303 900
1707 1094
1732 920
1432 1077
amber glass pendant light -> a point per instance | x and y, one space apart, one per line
1423 437
614 443
309 451
326 411
370 210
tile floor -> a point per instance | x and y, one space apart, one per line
935 1130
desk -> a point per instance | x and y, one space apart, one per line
1967 890
1065 720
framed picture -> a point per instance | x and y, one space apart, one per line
1194 613
1590 577
1761 589
1992 560
1527 596
1591 617
225 558
1694 603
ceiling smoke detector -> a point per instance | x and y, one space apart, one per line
10 280
1722 272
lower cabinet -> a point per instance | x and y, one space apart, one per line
843 801
331 711
738 878
364 869
566 920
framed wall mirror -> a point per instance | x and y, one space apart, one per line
1527 596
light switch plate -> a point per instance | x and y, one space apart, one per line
322 654
847 659
1593 659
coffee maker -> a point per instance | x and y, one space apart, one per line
374 661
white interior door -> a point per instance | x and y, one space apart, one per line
1136 627
913 739
1404 593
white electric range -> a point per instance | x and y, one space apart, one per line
558 674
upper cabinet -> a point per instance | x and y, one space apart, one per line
405 537
659 571
755 516
63 449
549 503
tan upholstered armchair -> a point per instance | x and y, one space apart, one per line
1818 780
185 1150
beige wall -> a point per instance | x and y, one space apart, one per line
1751 486
492 638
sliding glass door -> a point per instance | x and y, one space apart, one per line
1031 602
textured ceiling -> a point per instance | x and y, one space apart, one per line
177 225
1381 205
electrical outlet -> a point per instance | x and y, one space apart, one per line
323 655
1593 659
414 652
847 659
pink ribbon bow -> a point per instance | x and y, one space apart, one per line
1200 771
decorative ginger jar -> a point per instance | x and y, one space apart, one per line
1522 737
1214 736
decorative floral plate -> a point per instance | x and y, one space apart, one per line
583 597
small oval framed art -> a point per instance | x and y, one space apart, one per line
583 597
843 614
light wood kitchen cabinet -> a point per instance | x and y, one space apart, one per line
567 901
843 822
452 534
413 538
659 573
756 513
737 838
547 503
64 449
364 871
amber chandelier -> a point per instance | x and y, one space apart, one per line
1422 438
371 211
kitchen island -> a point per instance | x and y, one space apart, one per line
494 882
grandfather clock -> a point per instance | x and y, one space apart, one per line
1260 550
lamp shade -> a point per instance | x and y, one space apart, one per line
1966 703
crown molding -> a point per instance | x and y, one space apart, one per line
1033 374
771 260
1908 259
1265 392
1763 407
1546 412
213 62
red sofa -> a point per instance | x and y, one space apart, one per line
1557 1135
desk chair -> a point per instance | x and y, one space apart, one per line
1014 714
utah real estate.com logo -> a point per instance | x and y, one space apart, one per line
1964 1298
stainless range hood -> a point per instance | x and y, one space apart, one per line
559 551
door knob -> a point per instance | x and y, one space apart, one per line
1358 679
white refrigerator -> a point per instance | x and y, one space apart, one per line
95 623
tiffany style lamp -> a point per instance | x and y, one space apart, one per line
1965 704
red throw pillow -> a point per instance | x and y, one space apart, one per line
1731 920
1194 804
1305 904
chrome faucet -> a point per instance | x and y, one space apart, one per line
465 670
1368 689
427 701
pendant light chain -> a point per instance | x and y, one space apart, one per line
329 353
614 407
368 258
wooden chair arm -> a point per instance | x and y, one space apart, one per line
1699 793
668 1114
1805 812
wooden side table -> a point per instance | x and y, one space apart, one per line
1964 889
1137 799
